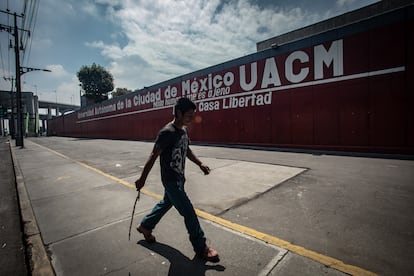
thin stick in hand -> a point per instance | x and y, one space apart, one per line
133 212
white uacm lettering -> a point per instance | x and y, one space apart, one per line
297 67
289 72
270 74
326 57
253 77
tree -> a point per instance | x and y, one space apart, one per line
96 82
120 92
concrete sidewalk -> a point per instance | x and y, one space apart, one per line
12 249
83 212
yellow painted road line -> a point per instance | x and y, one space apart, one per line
116 179
299 250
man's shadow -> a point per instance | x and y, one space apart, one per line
179 263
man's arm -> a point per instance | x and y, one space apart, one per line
192 157
140 182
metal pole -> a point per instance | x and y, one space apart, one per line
12 123
19 136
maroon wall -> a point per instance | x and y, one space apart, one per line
358 100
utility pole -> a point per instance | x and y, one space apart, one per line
19 71
15 33
19 136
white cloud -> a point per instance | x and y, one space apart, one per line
170 38
89 8
110 51
342 3
149 41
57 71
68 92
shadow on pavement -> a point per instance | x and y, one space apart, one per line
179 263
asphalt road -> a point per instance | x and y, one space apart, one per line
355 209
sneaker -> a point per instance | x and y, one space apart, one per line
149 237
209 255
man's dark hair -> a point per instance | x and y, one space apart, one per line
184 105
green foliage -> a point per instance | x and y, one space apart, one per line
96 82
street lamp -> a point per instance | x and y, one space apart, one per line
24 70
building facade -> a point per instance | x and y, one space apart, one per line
335 86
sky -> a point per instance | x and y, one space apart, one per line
144 42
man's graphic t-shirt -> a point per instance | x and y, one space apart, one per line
173 143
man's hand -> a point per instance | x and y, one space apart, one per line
139 183
205 169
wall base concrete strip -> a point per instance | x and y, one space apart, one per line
39 260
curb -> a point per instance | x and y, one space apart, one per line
35 249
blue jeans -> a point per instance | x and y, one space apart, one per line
174 195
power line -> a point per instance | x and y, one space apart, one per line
2 60
31 19
19 71
27 21
5 56
23 21
9 39
10 30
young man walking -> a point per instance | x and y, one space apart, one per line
172 145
